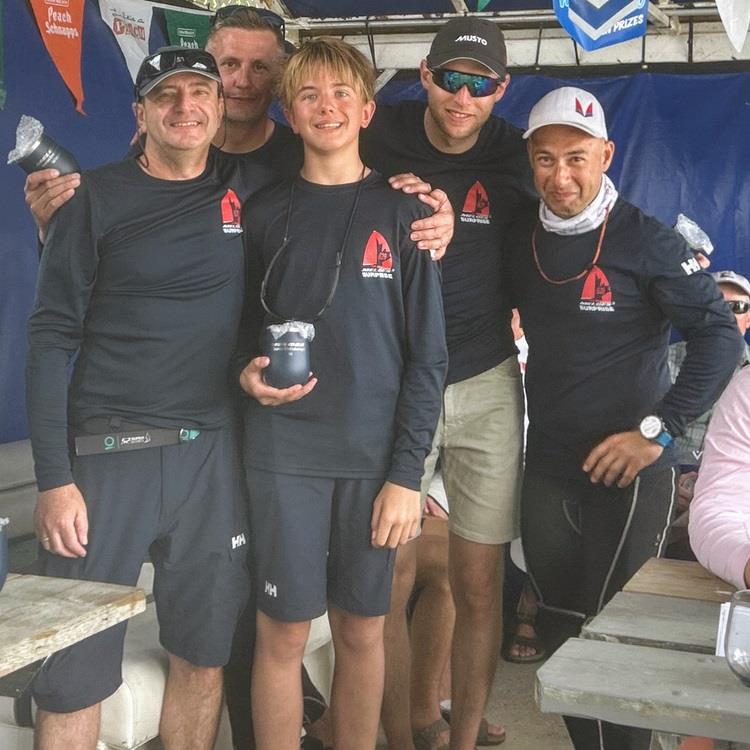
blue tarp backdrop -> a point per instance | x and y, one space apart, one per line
682 146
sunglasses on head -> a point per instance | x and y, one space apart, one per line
738 306
453 81
267 16
174 58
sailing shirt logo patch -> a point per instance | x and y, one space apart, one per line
231 211
377 261
476 208
597 292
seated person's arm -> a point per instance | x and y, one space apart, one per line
720 512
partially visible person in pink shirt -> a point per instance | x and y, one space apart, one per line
720 512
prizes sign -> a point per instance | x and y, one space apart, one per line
60 23
600 23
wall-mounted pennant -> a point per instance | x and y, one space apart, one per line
130 21
735 15
60 23
600 23
187 29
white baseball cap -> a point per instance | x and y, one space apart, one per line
736 279
569 106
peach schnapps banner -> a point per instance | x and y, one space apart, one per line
60 23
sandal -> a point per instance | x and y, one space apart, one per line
522 640
484 737
425 738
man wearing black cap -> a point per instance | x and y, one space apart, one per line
479 161
142 279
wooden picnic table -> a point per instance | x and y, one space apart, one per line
40 615
646 660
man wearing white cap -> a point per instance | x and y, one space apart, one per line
598 284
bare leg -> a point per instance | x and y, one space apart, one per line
476 582
276 691
357 679
78 730
431 624
396 714
192 702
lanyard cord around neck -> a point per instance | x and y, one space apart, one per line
339 254
588 267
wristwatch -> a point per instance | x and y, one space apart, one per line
652 428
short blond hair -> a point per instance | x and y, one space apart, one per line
339 58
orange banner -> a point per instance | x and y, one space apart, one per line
60 23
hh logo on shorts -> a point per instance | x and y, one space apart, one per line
270 589
231 210
377 260
238 541
476 208
597 292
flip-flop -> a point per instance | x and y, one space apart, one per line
425 738
484 737
522 640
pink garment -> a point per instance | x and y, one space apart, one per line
720 511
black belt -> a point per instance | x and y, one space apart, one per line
150 437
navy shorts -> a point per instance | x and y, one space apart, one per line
312 546
183 504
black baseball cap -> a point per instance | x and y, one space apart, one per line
167 61
469 38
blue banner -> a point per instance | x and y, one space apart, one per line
600 23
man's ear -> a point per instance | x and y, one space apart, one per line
609 152
140 118
424 75
290 119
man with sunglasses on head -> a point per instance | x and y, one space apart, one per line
455 143
141 281
598 284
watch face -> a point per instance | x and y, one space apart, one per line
650 426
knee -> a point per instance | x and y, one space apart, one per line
477 593
355 633
203 679
282 640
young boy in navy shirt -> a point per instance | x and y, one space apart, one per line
334 464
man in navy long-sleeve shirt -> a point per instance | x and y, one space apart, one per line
598 284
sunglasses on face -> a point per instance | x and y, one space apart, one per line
453 81
270 18
738 306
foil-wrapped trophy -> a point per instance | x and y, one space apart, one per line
35 150
287 345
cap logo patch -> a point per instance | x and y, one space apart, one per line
471 38
589 112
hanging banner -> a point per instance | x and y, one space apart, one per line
735 15
130 21
601 23
60 23
187 29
